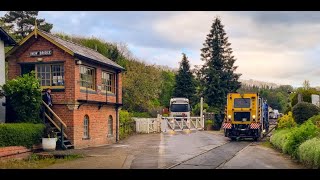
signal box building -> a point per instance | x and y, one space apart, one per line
86 86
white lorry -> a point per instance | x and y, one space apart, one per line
179 107
276 114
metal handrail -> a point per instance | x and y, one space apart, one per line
54 114
55 124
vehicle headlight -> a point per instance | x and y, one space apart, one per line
253 116
229 116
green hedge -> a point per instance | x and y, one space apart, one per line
288 140
309 153
298 135
315 120
303 111
279 138
21 134
302 142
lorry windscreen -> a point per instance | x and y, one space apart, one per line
179 108
241 103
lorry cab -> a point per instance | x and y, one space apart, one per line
179 107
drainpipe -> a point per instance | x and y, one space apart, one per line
117 106
117 124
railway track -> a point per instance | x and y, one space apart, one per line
272 126
215 158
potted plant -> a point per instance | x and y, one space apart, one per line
209 124
49 143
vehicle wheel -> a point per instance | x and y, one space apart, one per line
255 139
233 139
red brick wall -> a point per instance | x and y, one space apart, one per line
66 116
16 152
98 123
98 95
12 150
72 118
58 55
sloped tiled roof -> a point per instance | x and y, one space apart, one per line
8 40
83 51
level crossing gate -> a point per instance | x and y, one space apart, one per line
166 124
181 123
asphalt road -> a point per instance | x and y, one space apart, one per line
179 150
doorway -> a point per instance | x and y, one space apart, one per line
27 68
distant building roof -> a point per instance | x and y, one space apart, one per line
74 49
8 40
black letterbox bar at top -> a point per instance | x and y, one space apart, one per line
41 53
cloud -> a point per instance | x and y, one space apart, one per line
279 47
158 56
265 48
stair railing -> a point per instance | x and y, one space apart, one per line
61 123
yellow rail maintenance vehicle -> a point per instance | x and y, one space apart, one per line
243 116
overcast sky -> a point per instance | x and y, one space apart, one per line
279 47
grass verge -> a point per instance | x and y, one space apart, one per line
36 162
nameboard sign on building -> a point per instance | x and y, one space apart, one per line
41 53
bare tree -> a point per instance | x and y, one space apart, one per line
124 50
306 84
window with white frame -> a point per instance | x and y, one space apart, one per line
110 126
108 82
87 77
86 127
50 75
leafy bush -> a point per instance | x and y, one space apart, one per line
126 129
315 120
24 96
140 114
287 110
298 135
208 122
303 111
286 121
279 138
196 109
20 134
309 152
124 116
165 115
126 124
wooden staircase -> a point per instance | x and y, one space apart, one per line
58 126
